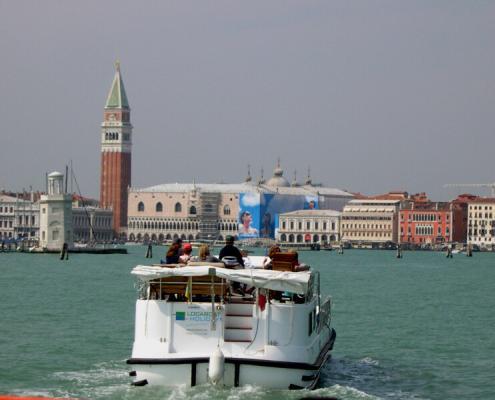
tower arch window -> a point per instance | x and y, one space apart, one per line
226 210
159 207
178 207
140 207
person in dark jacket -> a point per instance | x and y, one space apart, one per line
173 252
231 251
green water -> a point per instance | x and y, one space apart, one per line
421 327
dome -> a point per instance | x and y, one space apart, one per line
55 174
278 180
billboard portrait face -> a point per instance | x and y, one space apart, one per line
249 215
311 203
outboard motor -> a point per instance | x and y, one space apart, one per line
216 366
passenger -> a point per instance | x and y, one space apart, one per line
267 262
173 252
299 266
229 250
204 255
186 253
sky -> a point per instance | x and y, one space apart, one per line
373 96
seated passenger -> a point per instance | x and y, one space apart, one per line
204 255
172 256
267 261
299 266
186 253
229 250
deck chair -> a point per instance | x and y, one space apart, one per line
284 262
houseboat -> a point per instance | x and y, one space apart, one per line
205 323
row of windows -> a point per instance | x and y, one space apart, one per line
291 224
172 225
481 232
97 222
6 234
366 226
481 223
7 209
161 237
115 136
424 217
26 219
365 218
368 233
111 136
291 238
425 231
471 207
4 224
480 215
208 208
481 239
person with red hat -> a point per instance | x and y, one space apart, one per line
187 253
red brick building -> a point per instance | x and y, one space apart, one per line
460 217
422 221
116 145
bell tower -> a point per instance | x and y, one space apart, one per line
116 145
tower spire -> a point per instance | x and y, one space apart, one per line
308 179
117 97
248 177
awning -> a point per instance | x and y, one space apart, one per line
294 282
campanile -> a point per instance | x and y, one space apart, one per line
116 145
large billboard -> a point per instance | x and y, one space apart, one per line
258 215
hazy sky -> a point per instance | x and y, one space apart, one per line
373 95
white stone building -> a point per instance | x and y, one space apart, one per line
481 223
309 226
7 216
202 211
370 222
56 215
27 219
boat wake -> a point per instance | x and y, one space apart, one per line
341 378
361 379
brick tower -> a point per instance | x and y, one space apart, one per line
116 145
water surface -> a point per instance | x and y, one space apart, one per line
416 328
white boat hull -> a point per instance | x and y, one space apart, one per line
238 371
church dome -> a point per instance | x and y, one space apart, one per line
278 180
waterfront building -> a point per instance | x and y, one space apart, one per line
481 223
55 214
116 145
27 219
460 207
92 224
423 222
370 222
200 211
7 216
309 226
